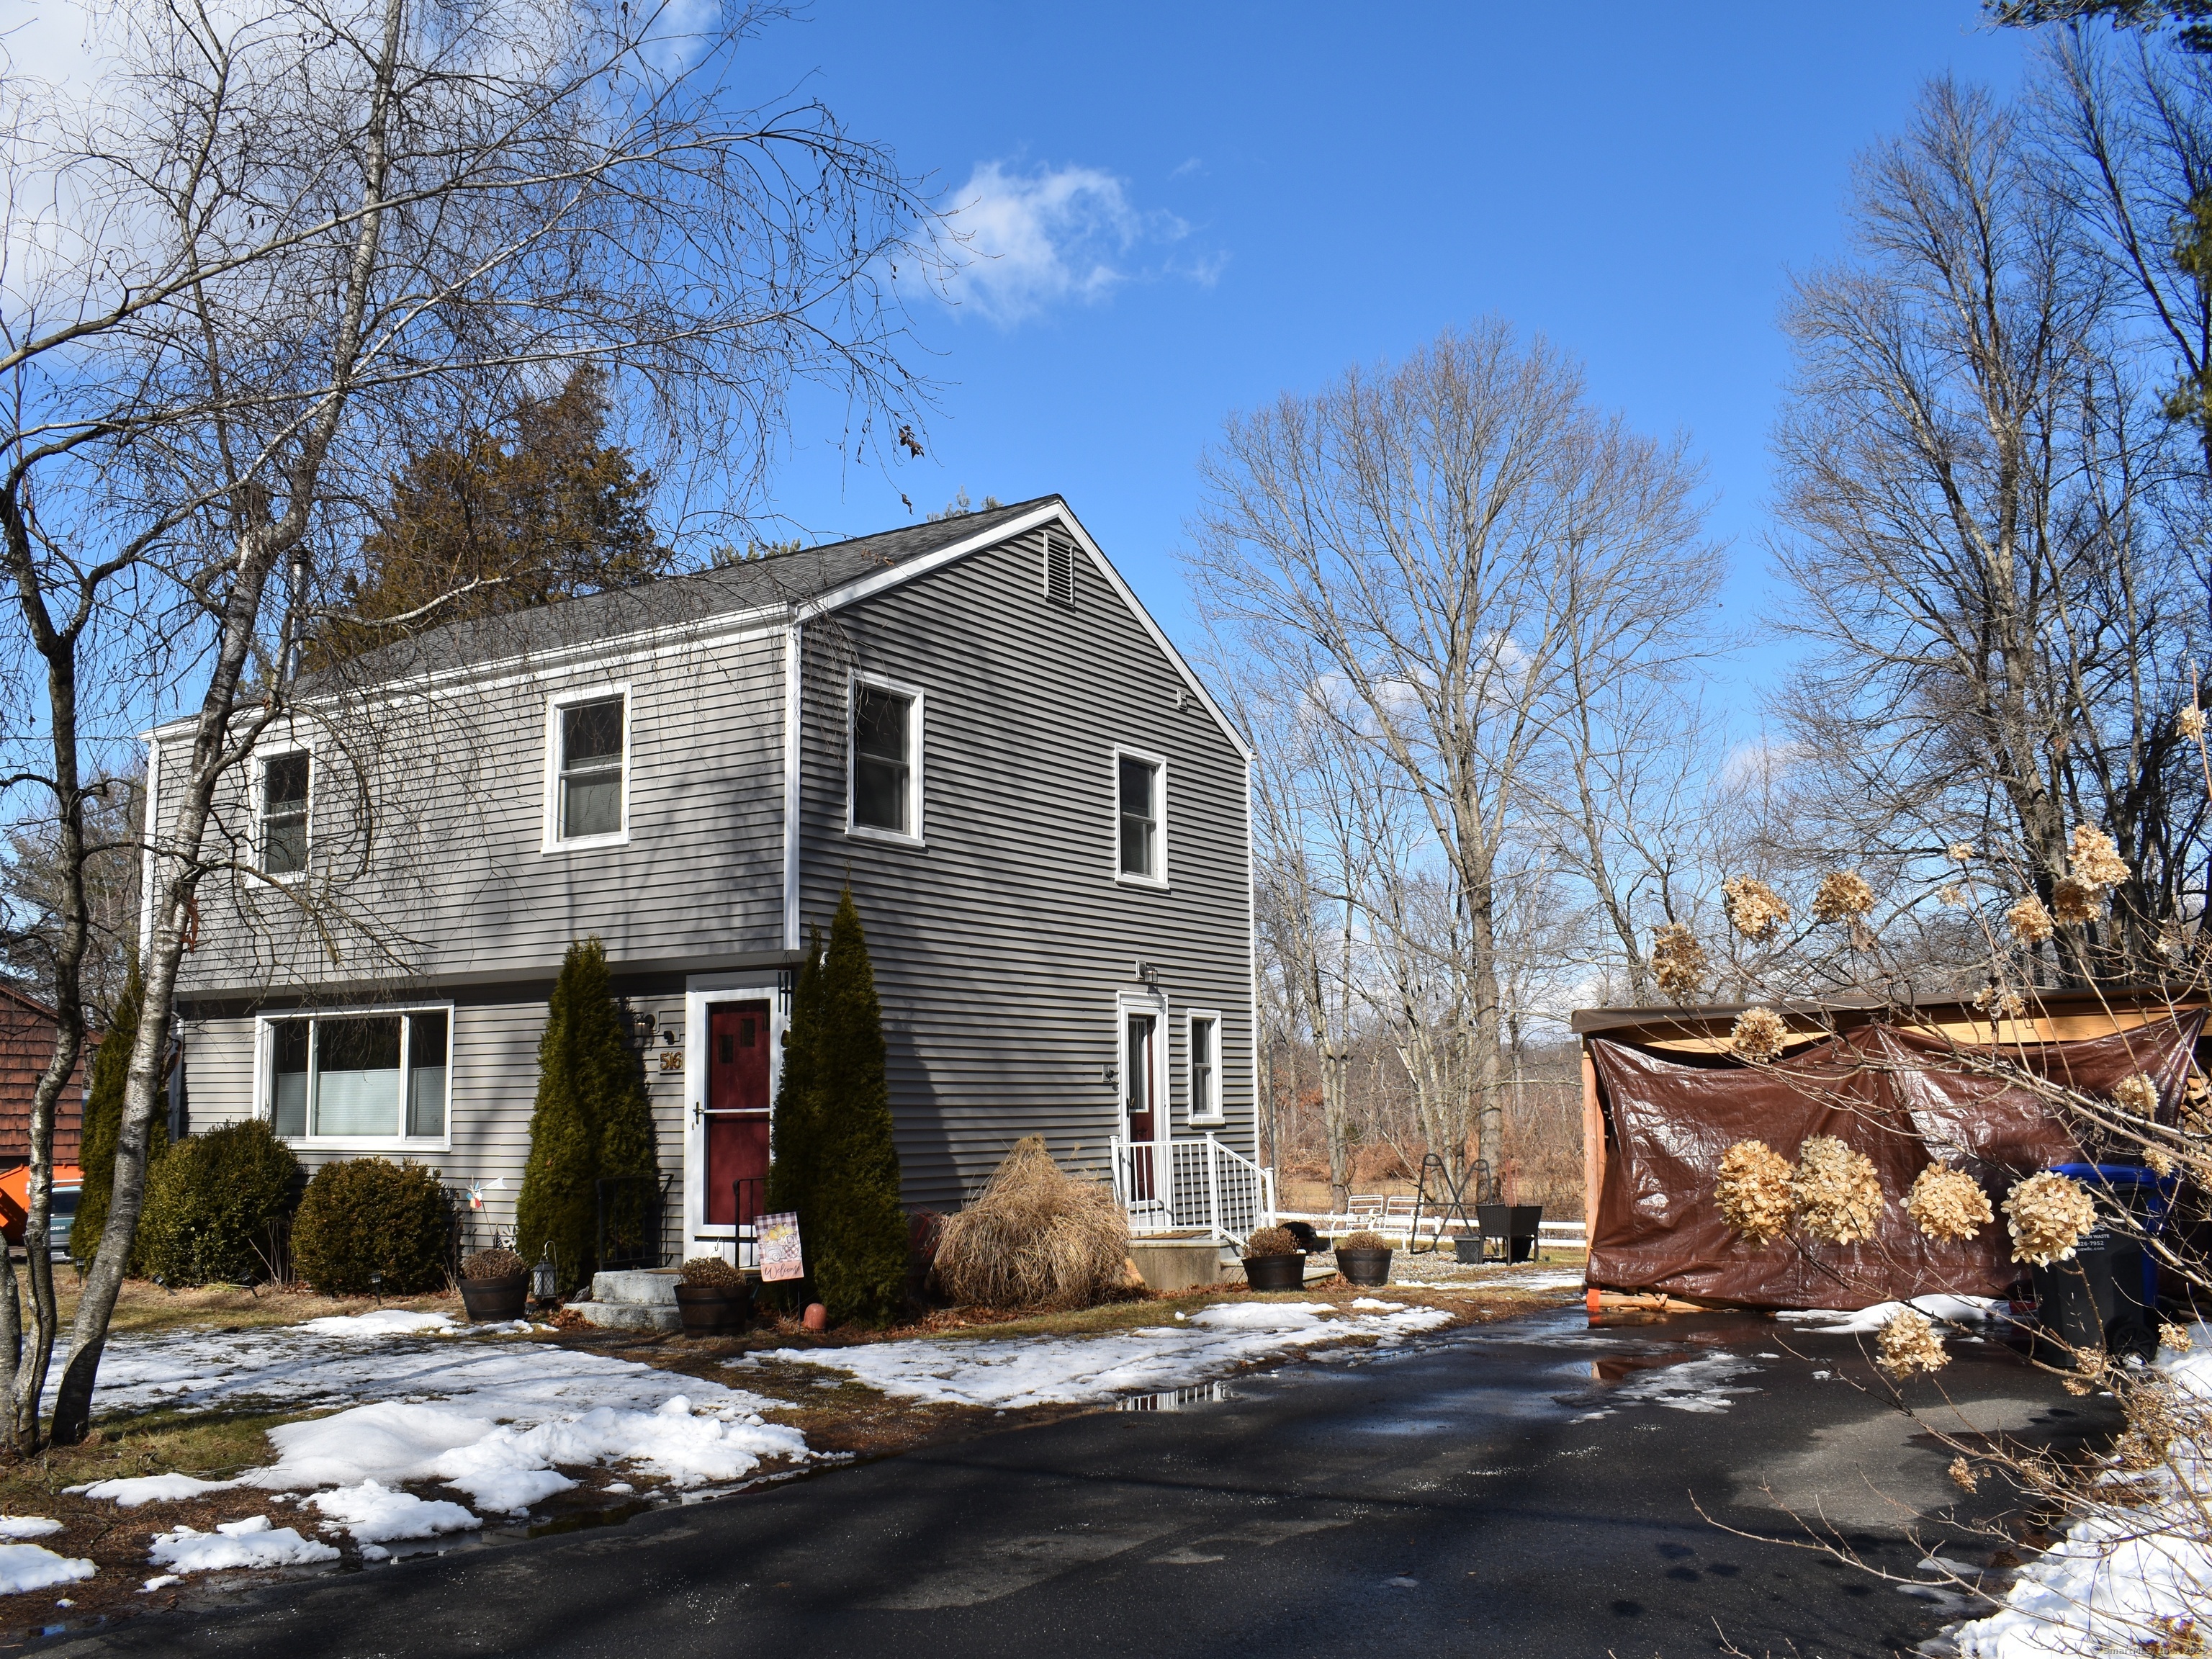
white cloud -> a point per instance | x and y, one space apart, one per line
1050 236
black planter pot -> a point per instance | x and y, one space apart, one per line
1364 1267
1276 1272
495 1301
1468 1248
711 1310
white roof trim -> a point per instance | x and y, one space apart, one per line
1054 511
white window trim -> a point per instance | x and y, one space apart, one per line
1159 882
263 1062
259 803
701 991
917 744
1218 1115
551 840
1127 1003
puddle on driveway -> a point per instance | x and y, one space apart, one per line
1176 1399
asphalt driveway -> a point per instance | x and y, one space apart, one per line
1527 1488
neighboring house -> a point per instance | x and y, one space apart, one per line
1042 815
27 1047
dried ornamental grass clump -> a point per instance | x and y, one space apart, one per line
2138 1093
493 1264
711 1272
1759 1034
2047 1215
2029 921
1035 1237
1678 960
1838 1194
2096 861
1272 1241
1948 1204
1843 896
1754 909
1753 1192
1908 1343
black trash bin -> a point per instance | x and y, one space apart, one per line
2105 1295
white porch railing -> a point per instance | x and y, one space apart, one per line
1192 1186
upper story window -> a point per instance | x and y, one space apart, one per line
284 813
886 779
360 1077
1204 1067
589 737
1140 787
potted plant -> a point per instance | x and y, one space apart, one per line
1364 1258
494 1283
712 1296
1273 1261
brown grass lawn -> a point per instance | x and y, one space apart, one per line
846 1418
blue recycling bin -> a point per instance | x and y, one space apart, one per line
2104 1297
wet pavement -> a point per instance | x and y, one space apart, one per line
1531 1487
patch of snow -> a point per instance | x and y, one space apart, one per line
385 1321
374 1513
161 1582
1080 1371
128 1492
1695 1385
1374 1301
1956 1309
620 1486
27 1525
252 1542
34 1567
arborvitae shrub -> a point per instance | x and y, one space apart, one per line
103 1123
215 1206
592 1121
365 1216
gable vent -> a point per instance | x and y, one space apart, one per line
1059 570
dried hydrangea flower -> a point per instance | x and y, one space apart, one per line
2096 860
1754 1191
1842 896
1908 1343
1678 960
2075 901
2173 1336
2189 722
1948 1204
2047 1215
2001 1001
1951 898
2138 1093
1962 1475
2029 921
1838 1194
1960 852
1759 1034
2158 1161
1754 909
2075 1385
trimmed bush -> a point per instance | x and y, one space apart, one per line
103 1124
215 1206
365 1216
592 1121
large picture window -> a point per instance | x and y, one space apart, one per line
590 784
360 1077
284 779
886 760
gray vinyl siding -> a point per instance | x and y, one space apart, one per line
999 947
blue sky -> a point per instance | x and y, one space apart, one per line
1202 206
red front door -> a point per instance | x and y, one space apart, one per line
737 1111
1137 1103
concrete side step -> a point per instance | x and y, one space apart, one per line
630 1315
644 1287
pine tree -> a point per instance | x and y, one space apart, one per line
591 1121
103 1119
858 1231
792 1124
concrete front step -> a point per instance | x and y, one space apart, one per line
630 1315
638 1299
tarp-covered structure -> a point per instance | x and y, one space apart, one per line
1904 1097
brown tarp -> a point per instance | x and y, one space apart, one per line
1904 1098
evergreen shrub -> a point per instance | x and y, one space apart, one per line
366 1216
215 1206
103 1124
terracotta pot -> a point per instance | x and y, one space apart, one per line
710 1309
815 1318
495 1301
1276 1272
1364 1267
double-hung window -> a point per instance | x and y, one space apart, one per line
590 740
283 807
360 1077
886 781
1204 1067
1141 813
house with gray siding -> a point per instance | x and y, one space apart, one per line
1042 814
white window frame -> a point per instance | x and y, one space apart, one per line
1158 880
700 993
917 747
556 704
264 1058
1154 1003
260 808
1212 1115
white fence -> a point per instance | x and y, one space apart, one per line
1192 1186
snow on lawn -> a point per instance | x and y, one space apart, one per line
1076 1371
34 1567
377 1515
252 1542
2099 1588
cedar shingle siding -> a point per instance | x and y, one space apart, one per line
26 1045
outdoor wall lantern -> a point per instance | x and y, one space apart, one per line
645 1023
544 1276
